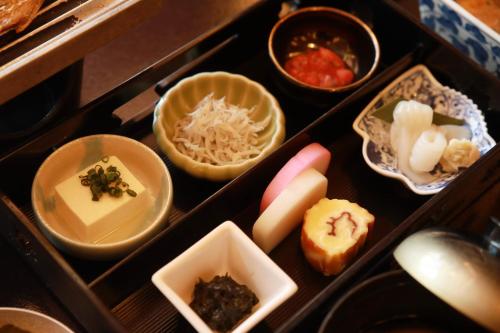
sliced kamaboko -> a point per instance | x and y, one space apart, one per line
427 150
455 132
287 210
313 155
411 118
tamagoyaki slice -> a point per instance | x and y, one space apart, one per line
333 232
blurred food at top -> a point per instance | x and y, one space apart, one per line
323 48
471 26
18 14
487 11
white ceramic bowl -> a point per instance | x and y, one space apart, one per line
417 83
31 321
69 159
226 249
237 90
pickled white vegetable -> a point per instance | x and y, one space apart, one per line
411 118
455 132
427 150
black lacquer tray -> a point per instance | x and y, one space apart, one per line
119 296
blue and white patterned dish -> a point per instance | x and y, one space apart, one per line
417 84
467 33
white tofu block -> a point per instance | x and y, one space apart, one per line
93 220
287 211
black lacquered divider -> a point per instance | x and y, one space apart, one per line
124 286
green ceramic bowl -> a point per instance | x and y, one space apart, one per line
237 90
77 155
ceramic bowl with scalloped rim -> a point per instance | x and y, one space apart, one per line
237 90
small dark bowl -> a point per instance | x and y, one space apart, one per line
394 302
311 27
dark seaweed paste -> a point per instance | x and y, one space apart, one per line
222 302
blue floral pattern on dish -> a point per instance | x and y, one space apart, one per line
456 26
417 84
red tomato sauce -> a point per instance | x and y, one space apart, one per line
320 68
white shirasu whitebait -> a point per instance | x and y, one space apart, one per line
219 133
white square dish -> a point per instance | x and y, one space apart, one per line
226 249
